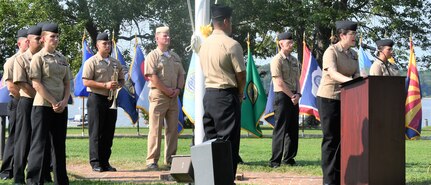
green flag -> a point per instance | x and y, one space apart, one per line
255 99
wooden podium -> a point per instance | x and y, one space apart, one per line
372 131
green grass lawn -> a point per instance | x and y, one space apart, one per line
266 130
130 153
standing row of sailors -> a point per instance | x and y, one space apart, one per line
38 78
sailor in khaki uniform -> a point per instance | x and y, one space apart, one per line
381 66
285 72
340 64
6 170
97 76
222 62
166 74
25 105
50 75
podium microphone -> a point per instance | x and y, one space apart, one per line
365 46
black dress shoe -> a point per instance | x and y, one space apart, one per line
47 179
290 162
152 166
109 168
274 165
98 169
5 175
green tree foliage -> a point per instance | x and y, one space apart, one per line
316 20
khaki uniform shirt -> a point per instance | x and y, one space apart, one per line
288 68
22 71
98 69
345 62
380 69
8 68
221 58
167 68
52 69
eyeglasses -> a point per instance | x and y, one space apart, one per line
353 33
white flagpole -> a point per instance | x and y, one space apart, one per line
201 19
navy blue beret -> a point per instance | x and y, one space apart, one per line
21 33
42 23
51 27
34 30
102 36
285 36
346 25
220 11
385 42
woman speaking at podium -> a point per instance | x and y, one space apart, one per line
340 64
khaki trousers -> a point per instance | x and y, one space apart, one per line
162 108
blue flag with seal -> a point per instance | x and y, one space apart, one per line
80 89
310 81
126 96
189 91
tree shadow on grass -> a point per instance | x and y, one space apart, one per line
299 163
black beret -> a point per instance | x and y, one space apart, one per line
346 25
102 36
385 42
21 33
34 30
220 11
285 36
51 27
42 23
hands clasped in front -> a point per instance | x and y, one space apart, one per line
295 99
59 106
172 93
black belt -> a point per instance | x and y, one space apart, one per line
293 92
96 94
234 89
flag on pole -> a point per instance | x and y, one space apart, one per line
4 92
413 120
116 53
364 62
189 91
80 89
309 80
138 77
126 99
180 117
269 109
126 95
254 103
202 13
